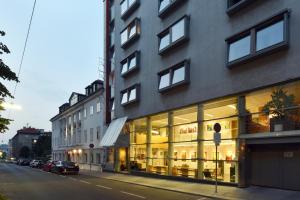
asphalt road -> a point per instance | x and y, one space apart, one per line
24 183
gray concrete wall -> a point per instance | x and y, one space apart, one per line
209 77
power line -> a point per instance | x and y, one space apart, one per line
23 53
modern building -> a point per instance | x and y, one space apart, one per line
174 68
3 150
23 143
78 125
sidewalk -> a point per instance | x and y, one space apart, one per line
224 192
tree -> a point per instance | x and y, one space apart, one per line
5 74
24 152
42 148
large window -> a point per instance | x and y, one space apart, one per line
180 142
130 33
138 140
173 35
263 117
130 63
174 76
127 7
269 36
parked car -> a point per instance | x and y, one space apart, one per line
36 163
24 162
65 167
48 166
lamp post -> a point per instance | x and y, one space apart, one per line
91 150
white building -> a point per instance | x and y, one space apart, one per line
78 125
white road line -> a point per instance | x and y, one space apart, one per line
101 186
85 182
203 198
135 195
73 179
62 176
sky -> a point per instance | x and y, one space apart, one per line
63 55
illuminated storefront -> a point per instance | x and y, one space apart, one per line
180 142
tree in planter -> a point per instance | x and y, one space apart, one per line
5 74
277 108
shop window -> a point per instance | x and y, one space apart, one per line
158 161
185 159
227 171
128 7
166 6
130 33
130 63
223 112
286 117
174 76
138 157
266 37
174 35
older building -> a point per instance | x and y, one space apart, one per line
23 143
176 67
78 125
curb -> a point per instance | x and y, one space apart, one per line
220 197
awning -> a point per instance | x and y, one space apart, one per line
113 132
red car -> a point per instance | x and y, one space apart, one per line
48 166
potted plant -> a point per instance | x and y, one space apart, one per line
277 109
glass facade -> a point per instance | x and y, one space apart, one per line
180 142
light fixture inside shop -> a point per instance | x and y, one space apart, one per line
232 106
209 115
79 151
74 151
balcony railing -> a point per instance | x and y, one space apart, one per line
261 122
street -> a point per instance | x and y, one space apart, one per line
25 183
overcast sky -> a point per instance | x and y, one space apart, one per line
64 52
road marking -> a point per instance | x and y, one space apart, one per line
74 179
101 186
85 182
135 195
203 198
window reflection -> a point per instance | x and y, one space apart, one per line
269 36
239 49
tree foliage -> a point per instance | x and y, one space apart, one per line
5 74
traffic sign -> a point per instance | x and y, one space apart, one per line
91 146
217 127
217 138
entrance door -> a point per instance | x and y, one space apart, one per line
123 159
276 165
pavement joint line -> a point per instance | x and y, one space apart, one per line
131 194
101 186
82 181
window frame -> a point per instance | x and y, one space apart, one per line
127 90
135 54
135 22
130 9
169 8
186 64
252 31
168 30
232 9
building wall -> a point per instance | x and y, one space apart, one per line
206 49
64 143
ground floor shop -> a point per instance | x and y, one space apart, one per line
180 143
